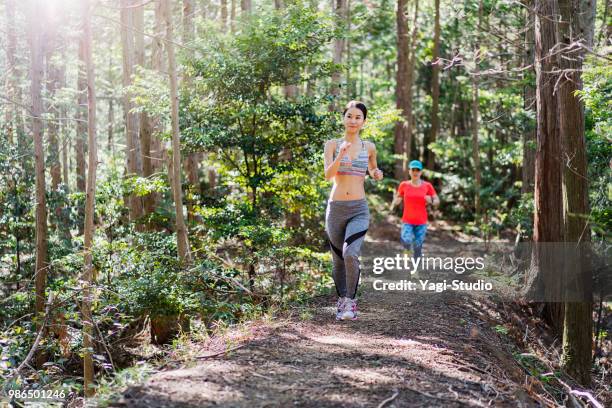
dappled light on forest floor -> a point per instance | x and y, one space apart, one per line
429 349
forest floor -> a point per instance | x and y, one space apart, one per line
406 349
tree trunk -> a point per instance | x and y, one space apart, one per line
476 117
349 91
36 75
410 78
138 32
64 132
205 7
52 83
188 26
293 219
339 9
192 165
401 90
181 229
406 57
56 125
134 156
145 125
435 92
224 14
110 127
576 24
65 149
88 275
158 152
246 6
55 73
13 116
475 146
81 120
542 278
233 16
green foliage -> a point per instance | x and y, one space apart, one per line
152 282
16 213
457 185
501 329
267 144
597 96
522 216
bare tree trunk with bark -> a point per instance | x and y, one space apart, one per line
158 152
223 14
13 117
192 165
476 116
52 83
575 25
542 277
428 154
134 155
246 6
145 126
339 9
181 229
406 60
81 131
233 15
401 89
64 132
36 76
88 275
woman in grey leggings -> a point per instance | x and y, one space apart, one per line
347 216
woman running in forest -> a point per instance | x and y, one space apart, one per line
416 194
347 216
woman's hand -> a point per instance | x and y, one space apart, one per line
344 148
376 174
396 200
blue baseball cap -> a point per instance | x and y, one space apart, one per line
415 164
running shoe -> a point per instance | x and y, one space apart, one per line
350 310
340 307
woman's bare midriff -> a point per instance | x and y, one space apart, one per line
347 188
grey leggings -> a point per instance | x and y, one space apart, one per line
346 223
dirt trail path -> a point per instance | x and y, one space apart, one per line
412 349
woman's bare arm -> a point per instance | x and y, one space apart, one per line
432 200
396 200
373 169
331 165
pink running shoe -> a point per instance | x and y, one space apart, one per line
350 310
340 307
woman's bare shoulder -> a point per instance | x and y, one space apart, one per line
370 146
331 143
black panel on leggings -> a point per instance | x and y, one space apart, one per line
355 237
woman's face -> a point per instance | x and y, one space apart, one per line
353 120
415 173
